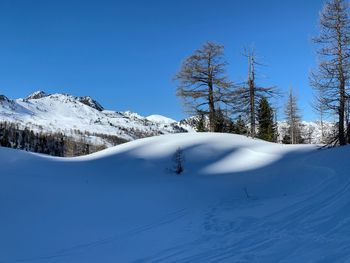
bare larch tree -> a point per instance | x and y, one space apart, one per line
318 105
246 97
332 75
293 118
203 83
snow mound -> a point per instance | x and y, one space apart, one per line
238 200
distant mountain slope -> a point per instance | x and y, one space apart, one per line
311 131
160 119
81 118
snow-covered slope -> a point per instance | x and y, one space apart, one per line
160 119
238 200
78 116
311 131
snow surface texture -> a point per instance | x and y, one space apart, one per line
238 200
82 116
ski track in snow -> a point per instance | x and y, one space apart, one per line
221 230
77 249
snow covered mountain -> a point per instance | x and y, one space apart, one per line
238 200
82 118
311 131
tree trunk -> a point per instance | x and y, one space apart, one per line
341 134
342 140
251 85
252 108
211 108
322 125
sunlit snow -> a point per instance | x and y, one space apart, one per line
238 200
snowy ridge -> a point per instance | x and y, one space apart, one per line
124 204
311 131
37 95
76 116
160 119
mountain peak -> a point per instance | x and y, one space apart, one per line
87 100
4 98
37 95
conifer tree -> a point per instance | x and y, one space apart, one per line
265 121
220 121
203 82
240 126
293 118
201 123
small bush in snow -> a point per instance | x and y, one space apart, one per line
178 160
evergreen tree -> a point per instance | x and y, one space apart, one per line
286 139
5 138
230 127
201 124
220 121
240 126
265 121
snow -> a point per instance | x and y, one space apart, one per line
160 118
238 200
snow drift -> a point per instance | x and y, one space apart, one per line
238 200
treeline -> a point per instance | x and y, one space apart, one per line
12 136
55 144
280 132
206 88
223 123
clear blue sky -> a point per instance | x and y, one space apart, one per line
125 53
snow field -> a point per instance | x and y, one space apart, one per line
238 200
